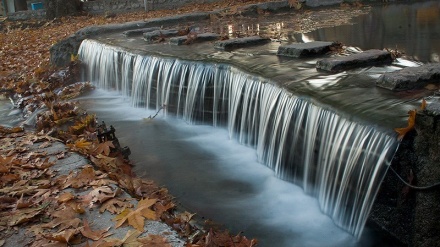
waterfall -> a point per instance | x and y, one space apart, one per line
337 160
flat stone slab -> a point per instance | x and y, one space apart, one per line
410 77
138 32
202 37
309 49
154 35
359 60
231 44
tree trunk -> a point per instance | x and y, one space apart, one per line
59 8
20 5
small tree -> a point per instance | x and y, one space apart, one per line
58 8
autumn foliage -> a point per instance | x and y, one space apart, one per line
50 206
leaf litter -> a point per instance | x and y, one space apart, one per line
55 208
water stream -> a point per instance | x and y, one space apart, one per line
328 136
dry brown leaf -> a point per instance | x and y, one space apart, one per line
63 218
87 232
104 148
63 236
154 241
24 215
136 218
100 194
115 206
411 121
83 178
65 197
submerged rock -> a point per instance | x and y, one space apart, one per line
154 35
305 49
196 38
231 44
410 77
363 59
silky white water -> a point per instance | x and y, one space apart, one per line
334 159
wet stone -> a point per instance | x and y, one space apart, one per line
359 60
137 32
241 42
203 37
299 50
410 77
151 36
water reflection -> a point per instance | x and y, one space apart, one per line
413 28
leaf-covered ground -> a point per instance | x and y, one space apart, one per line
45 198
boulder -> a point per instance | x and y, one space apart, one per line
427 174
358 60
231 44
299 50
410 77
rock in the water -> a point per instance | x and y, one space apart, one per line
136 32
410 77
305 49
359 60
154 35
231 44
195 38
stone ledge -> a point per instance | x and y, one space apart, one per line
359 60
410 77
299 50
137 32
151 36
241 42
203 37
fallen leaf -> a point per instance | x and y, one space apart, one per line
411 121
63 218
100 194
136 218
63 236
25 215
154 241
65 197
115 206
87 232
104 148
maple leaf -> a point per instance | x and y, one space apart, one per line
137 217
160 208
24 215
105 162
87 232
104 148
63 236
100 194
80 145
83 178
115 206
21 203
411 121
63 218
154 241
185 216
65 197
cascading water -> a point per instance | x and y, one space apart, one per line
339 161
